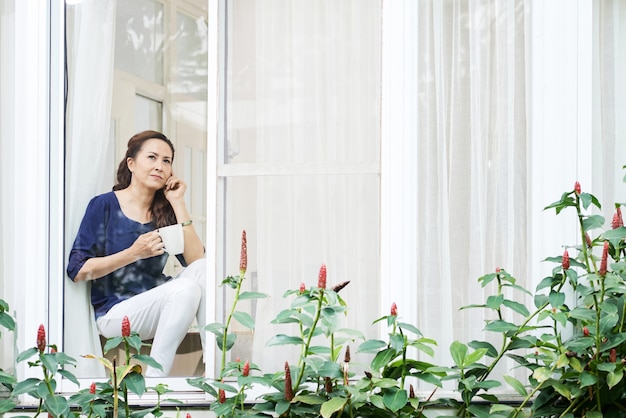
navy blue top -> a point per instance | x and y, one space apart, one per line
105 230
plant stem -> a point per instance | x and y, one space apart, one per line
230 316
318 313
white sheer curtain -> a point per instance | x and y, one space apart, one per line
609 124
91 42
454 109
304 111
8 190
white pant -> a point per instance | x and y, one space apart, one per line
164 314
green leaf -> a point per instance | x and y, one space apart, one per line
494 302
458 351
309 399
614 378
111 344
382 358
282 339
491 350
474 356
331 406
395 398
136 383
409 327
500 326
587 379
542 374
515 384
371 346
557 299
7 321
26 386
593 222
26 354
244 319
6 405
147 360
252 295
584 314
516 306
57 406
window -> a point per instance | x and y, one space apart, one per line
299 165
149 73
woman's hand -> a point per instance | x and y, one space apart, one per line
174 189
147 245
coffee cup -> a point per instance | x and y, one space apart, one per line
172 237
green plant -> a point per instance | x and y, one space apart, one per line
7 380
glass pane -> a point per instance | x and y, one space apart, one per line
303 87
7 173
294 224
148 114
139 37
190 70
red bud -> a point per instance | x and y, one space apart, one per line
243 261
41 338
498 270
125 327
321 282
613 355
302 287
604 259
222 396
585 331
92 388
394 309
577 188
246 369
565 262
188 415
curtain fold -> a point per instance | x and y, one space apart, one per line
469 163
609 124
90 41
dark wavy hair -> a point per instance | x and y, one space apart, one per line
160 209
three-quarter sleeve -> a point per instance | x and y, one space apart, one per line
90 240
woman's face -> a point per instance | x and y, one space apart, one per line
152 165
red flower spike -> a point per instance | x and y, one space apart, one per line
585 331
615 223
41 338
565 262
394 309
321 282
288 384
222 396
302 287
577 188
125 327
188 415
243 260
92 388
246 369
604 259
613 355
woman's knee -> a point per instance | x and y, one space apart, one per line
188 291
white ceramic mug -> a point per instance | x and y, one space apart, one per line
172 237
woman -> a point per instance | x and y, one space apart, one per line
119 249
